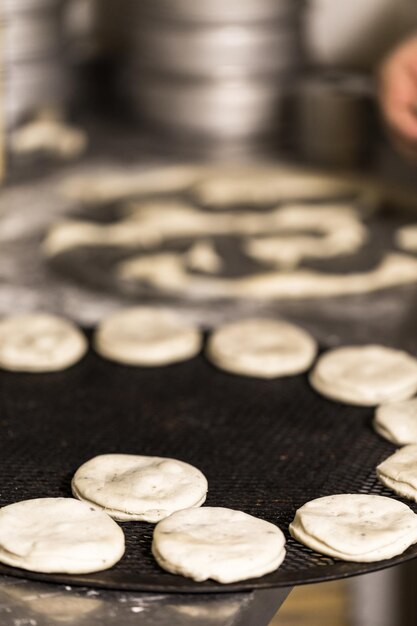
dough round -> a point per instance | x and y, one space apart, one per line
39 342
146 336
355 527
141 488
397 422
263 348
365 375
217 543
399 472
59 535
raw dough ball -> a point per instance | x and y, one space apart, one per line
365 375
262 347
59 535
355 527
217 543
39 342
397 422
399 472
146 336
141 488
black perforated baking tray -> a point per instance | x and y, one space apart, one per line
266 448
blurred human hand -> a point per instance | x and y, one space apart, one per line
398 96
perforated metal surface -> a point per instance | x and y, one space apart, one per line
266 448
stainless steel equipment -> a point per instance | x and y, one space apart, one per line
216 71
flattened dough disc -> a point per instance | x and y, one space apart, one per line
39 342
141 488
146 336
365 375
59 535
264 348
217 543
355 527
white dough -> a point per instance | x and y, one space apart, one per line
217 543
142 488
114 185
262 347
290 251
69 234
406 238
397 421
51 136
146 336
394 270
151 223
39 342
59 535
266 185
356 527
203 257
365 375
399 472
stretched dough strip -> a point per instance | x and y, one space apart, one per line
152 223
167 273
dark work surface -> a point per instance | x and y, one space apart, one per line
266 448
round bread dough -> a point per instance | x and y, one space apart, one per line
356 527
397 422
217 543
399 472
39 342
146 336
365 375
263 348
139 488
59 535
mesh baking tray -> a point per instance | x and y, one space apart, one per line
266 448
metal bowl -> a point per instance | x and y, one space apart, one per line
228 109
221 11
32 36
30 86
216 50
12 7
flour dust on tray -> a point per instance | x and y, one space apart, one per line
139 488
39 342
263 348
217 543
59 535
355 527
399 472
146 336
365 375
397 422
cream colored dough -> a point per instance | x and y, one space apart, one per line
365 375
151 223
59 535
406 238
355 527
290 251
39 342
51 136
116 185
399 472
268 185
263 348
217 543
167 273
397 422
146 336
203 257
139 488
